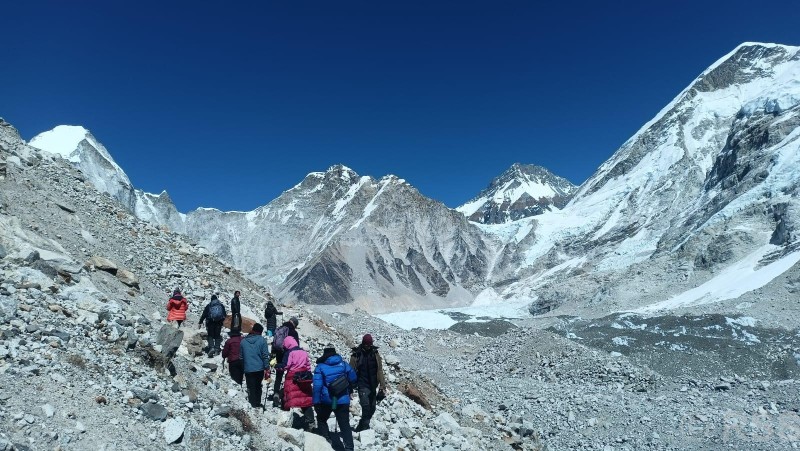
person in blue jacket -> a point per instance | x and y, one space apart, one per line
330 367
254 355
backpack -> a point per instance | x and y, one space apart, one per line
303 378
280 335
339 386
216 311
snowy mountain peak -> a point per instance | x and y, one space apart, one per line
522 190
64 140
76 144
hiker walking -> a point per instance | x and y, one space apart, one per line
214 314
255 360
271 314
231 352
236 311
369 367
177 306
333 379
297 391
287 329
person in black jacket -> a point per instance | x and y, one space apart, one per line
236 311
371 380
271 314
213 324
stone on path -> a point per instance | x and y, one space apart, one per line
173 429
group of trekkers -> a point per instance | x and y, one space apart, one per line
326 391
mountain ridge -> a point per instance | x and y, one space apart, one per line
664 199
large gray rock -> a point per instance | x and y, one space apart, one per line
154 411
8 306
128 278
314 442
170 339
102 264
173 429
294 436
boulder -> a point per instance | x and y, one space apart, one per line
102 264
415 395
154 411
173 429
294 436
170 339
8 306
128 278
314 442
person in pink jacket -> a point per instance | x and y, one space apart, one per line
297 387
177 307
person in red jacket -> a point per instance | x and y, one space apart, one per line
297 390
231 351
177 307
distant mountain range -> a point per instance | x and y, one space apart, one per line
708 186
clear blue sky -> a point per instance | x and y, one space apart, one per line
227 104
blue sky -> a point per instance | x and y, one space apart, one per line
227 104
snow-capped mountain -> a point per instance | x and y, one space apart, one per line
521 191
334 238
77 145
337 237
711 181
706 192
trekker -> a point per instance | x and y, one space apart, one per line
236 311
177 306
369 367
255 360
331 368
231 352
297 391
271 314
287 329
214 314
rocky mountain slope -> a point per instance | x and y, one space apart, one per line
704 193
87 361
522 191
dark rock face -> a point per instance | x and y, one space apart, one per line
731 71
783 232
325 282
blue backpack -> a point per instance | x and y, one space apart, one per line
216 311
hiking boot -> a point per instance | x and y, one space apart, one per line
361 427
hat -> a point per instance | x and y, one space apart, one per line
235 332
213 296
294 321
177 291
367 340
329 349
257 328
